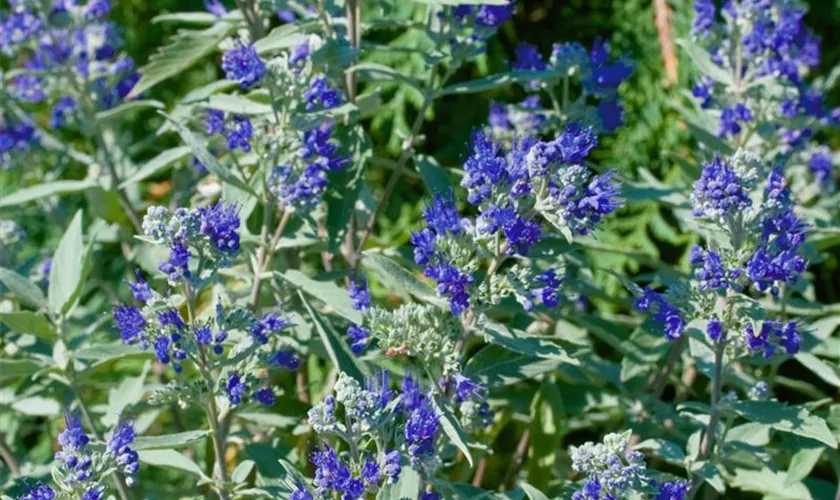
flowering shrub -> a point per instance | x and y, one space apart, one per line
219 309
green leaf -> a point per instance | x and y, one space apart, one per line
548 417
44 190
156 165
495 81
452 428
326 291
171 459
102 353
187 48
434 176
68 268
525 343
241 472
207 159
237 104
29 322
496 366
770 483
407 486
281 37
15 368
803 462
128 106
828 373
399 279
205 18
124 396
341 201
37 406
785 418
380 72
25 290
533 493
341 356
664 449
701 58
166 441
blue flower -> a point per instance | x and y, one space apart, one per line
664 313
673 490
27 88
777 259
38 492
486 16
466 389
452 283
285 359
611 114
301 492
96 9
704 18
331 474
17 28
591 490
732 117
359 337
119 447
484 169
73 456
773 334
170 317
547 294
243 64
220 223
424 246
429 495
161 346
714 329
140 289
94 493
522 234
710 271
584 206
63 107
130 323
359 295
391 465
264 396
240 134
177 267
214 123
235 388
269 324
370 472
421 429
606 76
703 90
821 165
528 58
203 335
719 193
215 7
299 54
320 96
442 216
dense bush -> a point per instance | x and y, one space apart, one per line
418 249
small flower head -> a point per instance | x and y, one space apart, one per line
243 64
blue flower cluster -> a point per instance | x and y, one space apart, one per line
664 314
63 61
750 41
238 131
213 231
600 77
242 64
673 490
360 301
16 138
118 446
78 467
443 221
719 193
771 335
301 182
610 469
